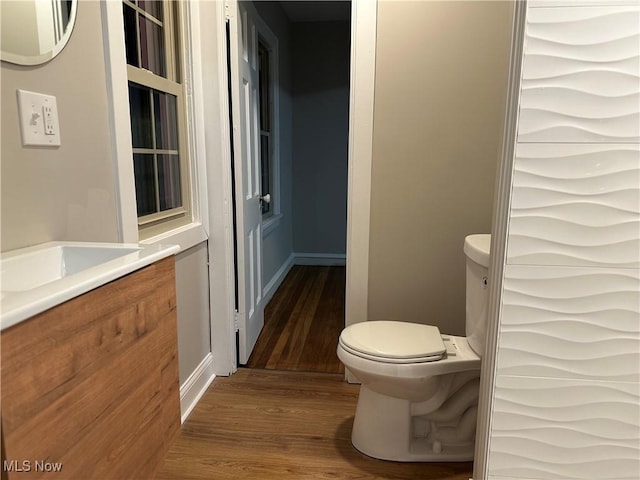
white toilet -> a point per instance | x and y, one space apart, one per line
419 395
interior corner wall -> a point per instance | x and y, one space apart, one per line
68 192
440 95
320 55
277 246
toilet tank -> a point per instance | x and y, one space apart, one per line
476 250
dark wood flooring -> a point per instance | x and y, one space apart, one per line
264 424
303 322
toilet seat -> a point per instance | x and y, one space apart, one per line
393 342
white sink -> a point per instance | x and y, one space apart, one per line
36 278
42 266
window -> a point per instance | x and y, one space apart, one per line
266 121
156 105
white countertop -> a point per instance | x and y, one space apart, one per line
37 278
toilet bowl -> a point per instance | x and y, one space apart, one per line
419 388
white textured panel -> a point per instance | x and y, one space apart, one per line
581 75
558 429
580 3
563 322
575 204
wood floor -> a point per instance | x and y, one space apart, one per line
303 322
265 424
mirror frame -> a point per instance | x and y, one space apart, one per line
31 60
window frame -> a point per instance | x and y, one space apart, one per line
164 220
271 220
192 229
268 132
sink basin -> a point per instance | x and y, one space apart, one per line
36 278
31 270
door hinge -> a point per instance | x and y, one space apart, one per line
227 10
236 323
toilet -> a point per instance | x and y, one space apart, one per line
419 388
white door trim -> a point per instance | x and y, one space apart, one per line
364 16
221 240
498 245
361 102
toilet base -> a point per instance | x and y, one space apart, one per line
384 428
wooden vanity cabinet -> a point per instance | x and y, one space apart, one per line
91 386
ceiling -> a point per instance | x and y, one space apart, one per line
316 11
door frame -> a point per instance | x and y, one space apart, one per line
220 198
361 102
362 74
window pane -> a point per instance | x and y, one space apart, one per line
65 13
169 182
263 86
152 47
166 119
145 184
152 7
140 106
266 170
130 35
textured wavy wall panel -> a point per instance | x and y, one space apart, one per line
567 391
579 3
563 322
576 204
580 75
555 429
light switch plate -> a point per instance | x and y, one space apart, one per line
38 119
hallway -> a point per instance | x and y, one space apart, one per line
303 322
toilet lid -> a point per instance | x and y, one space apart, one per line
388 340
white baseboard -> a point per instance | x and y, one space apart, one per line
277 279
321 259
195 386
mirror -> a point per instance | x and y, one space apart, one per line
35 31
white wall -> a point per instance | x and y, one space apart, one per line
194 335
320 55
440 90
567 370
64 193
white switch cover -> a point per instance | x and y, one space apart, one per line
38 119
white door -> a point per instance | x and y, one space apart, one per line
243 44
